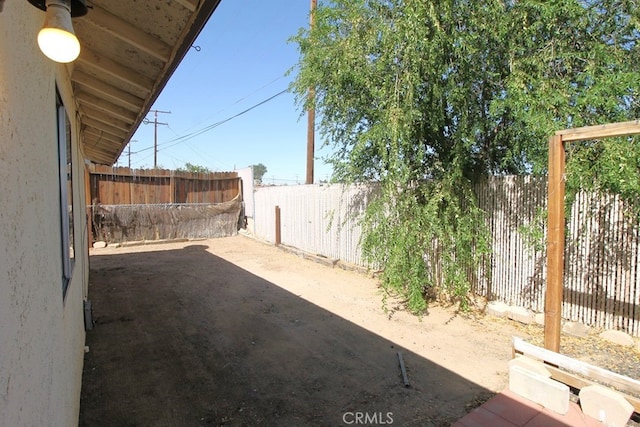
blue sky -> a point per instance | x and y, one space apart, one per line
244 55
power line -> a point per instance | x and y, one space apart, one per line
242 99
215 125
184 138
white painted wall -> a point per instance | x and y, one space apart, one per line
41 336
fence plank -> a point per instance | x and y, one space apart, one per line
601 277
116 186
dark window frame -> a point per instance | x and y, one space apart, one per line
65 168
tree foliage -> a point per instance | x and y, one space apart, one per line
259 171
188 167
427 98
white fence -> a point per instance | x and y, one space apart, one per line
602 255
314 218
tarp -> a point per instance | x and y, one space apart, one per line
123 223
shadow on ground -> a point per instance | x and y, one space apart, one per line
185 338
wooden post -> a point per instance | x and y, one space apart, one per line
88 202
172 187
278 235
311 118
555 245
311 114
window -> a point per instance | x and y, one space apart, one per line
65 155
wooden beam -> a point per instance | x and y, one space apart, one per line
89 100
556 223
90 121
96 134
126 32
187 4
592 372
96 154
601 131
97 158
88 206
555 245
102 146
105 65
578 382
521 347
104 117
114 94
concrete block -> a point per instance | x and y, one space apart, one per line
605 405
497 309
520 314
531 365
539 389
617 337
576 329
99 244
539 318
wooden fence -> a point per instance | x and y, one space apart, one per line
602 252
156 204
124 186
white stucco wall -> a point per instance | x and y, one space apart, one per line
41 336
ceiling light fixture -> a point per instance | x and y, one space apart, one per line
56 38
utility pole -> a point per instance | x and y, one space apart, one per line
311 114
155 133
129 150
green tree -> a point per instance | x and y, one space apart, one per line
259 171
188 167
426 98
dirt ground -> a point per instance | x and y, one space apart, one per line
233 331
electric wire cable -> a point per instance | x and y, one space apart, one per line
242 99
184 138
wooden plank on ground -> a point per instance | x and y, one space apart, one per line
619 382
579 382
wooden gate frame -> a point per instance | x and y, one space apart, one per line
555 222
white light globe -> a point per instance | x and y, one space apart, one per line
57 39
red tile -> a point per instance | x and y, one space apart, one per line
512 407
480 417
544 420
573 418
508 409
